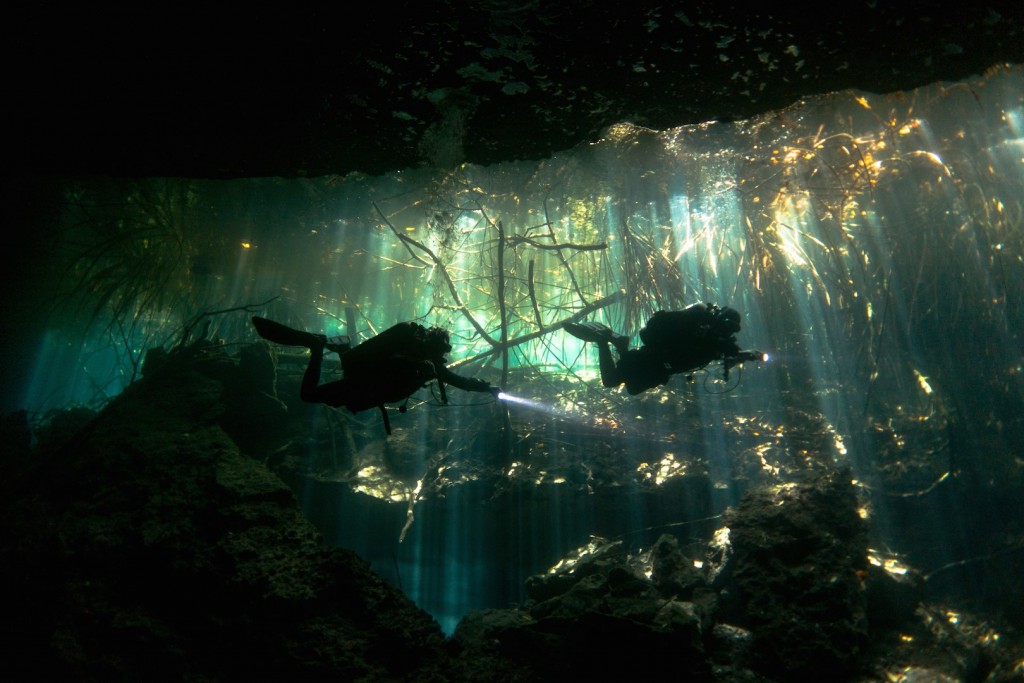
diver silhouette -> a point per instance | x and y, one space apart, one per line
673 342
387 368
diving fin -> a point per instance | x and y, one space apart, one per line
282 334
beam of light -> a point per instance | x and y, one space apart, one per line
534 405
848 251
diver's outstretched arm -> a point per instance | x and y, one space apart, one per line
459 382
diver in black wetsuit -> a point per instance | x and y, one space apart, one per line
673 342
387 368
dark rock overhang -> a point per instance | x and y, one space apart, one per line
212 92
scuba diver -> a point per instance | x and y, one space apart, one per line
673 342
387 368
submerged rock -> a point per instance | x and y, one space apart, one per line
142 543
149 548
595 607
799 558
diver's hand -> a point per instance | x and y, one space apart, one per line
494 391
759 356
740 357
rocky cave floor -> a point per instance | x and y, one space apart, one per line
150 541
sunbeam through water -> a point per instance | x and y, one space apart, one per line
873 246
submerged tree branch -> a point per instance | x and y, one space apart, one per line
406 240
516 240
561 256
502 312
533 297
249 308
503 344
578 315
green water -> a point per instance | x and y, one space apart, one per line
872 243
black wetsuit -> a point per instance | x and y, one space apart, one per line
674 342
387 368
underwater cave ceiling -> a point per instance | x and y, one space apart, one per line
222 94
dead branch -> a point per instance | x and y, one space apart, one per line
516 240
503 313
248 308
561 256
533 297
578 315
461 307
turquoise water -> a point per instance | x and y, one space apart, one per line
873 244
